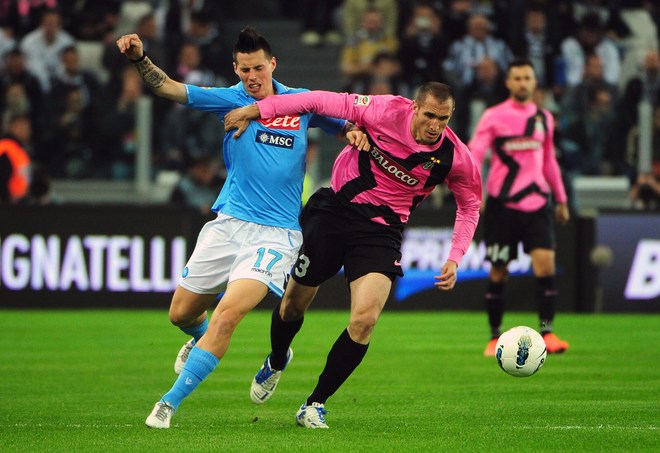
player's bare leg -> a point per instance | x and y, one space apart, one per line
287 319
368 296
241 297
188 311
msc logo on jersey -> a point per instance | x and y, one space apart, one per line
291 123
362 100
269 138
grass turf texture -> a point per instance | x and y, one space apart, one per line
86 380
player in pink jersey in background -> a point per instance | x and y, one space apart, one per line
523 174
358 222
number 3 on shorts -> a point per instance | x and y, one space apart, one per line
303 263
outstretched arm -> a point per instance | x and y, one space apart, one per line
152 76
240 118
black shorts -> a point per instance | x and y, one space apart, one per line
333 237
504 228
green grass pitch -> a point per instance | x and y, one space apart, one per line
84 381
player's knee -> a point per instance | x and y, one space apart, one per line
545 272
291 313
293 308
499 274
224 323
180 318
361 327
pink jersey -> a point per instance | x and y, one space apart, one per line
387 183
523 166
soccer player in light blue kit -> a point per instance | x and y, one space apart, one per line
251 246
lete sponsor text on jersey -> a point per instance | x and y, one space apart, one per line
288 122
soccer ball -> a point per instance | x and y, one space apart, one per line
521 351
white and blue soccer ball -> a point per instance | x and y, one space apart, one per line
521 351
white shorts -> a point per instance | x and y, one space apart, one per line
229 249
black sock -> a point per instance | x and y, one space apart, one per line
343 358
281 336
546 299
495 307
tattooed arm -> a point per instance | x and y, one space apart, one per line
152 76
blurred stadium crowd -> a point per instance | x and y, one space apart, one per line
68 97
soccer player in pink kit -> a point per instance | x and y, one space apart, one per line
523 172
358 222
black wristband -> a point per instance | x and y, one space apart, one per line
144 55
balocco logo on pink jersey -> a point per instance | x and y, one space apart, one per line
522 144
291 123
392 169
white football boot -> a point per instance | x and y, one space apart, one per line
266 379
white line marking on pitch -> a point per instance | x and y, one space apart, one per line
568 427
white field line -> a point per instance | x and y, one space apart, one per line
130 425
595 427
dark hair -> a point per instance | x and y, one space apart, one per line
15 52
49 10
16 117
68 49
145 18
440 91
591 22
201 17
250 41
519 62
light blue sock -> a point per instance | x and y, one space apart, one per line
196 331
200 363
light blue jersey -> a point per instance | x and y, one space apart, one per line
265 165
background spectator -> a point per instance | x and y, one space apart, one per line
353 11
7 43
71 153
318 24
423 46
42 47
22 17
590 38
92 20
198 187
69 75
383 78
16 72
593 133
120 137
487 89
15 160
215 51
534 41
191 69
361 48
15 103
575 101
464 57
